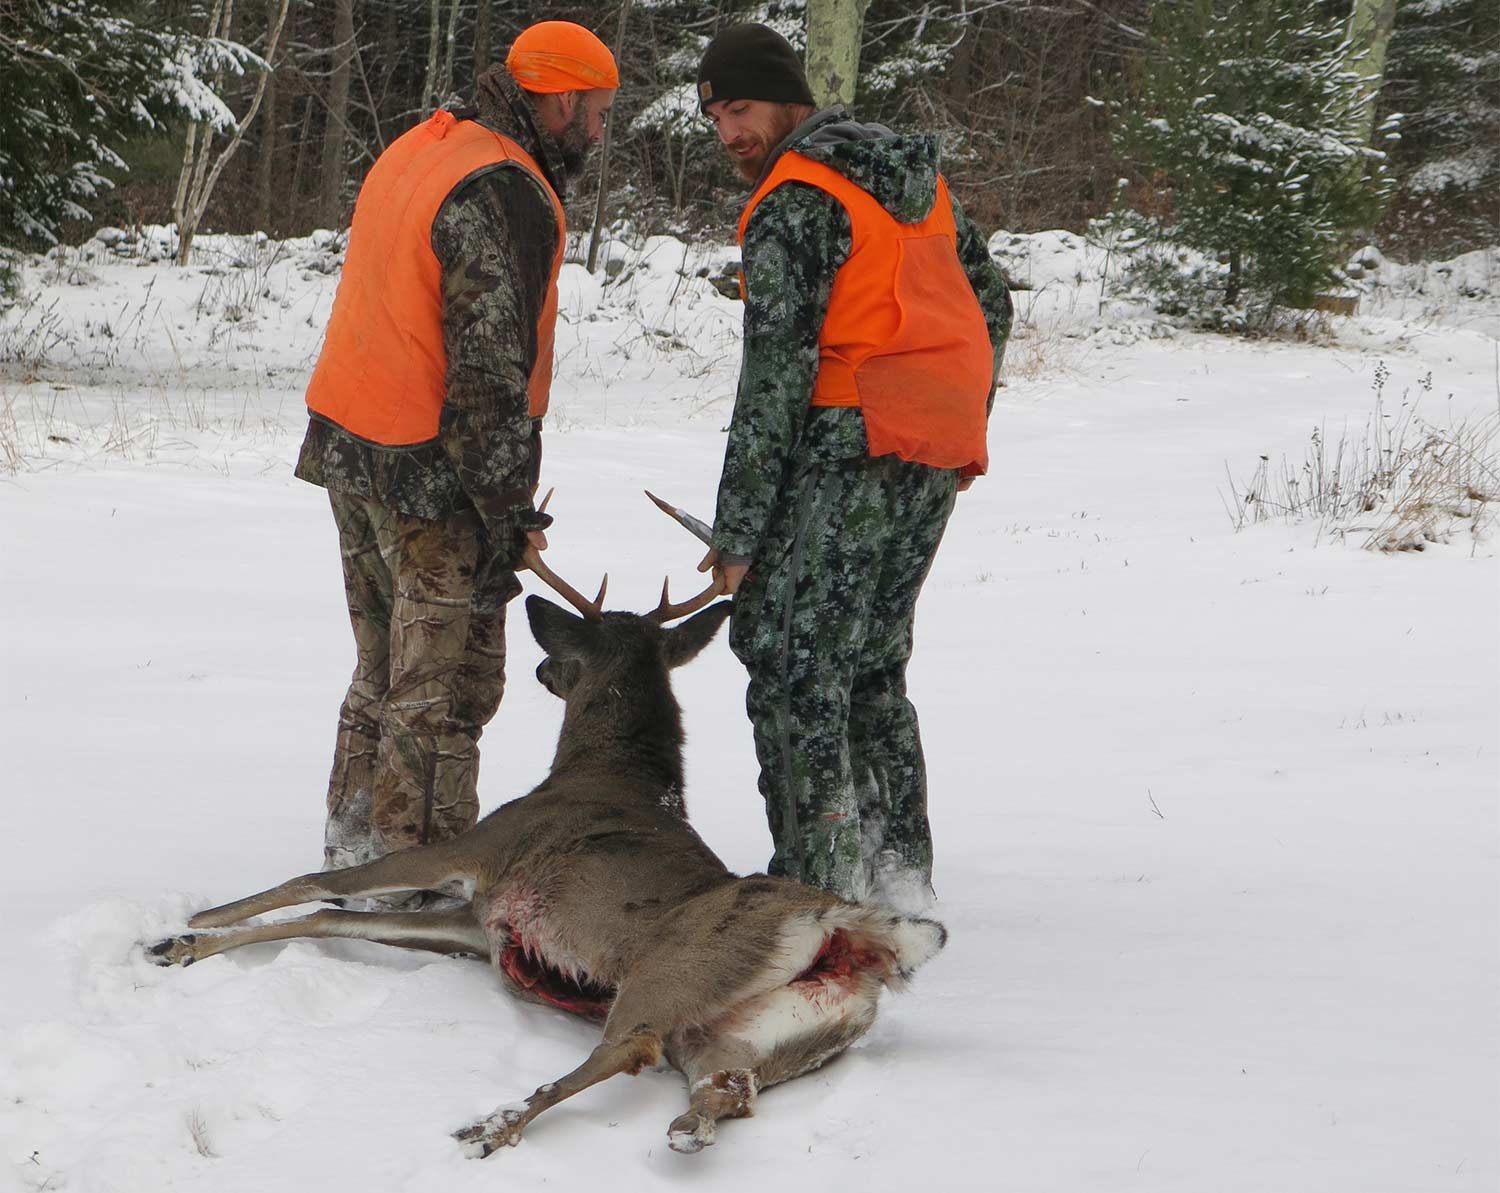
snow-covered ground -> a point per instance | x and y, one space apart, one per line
1215 810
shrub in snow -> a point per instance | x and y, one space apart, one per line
1248 122
1401 484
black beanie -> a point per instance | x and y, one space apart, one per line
751 62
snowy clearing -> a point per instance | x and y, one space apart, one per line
1215 811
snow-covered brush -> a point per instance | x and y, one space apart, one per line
1403 483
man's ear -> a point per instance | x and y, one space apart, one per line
686 640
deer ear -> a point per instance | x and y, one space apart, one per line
686 640
558 632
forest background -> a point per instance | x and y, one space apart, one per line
1028 96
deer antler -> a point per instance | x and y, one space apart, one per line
532 558
666 611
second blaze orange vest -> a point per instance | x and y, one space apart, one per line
904 338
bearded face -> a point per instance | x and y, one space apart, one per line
574 142
751 130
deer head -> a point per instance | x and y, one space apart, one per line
613 674
615 648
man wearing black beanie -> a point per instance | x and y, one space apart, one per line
874 326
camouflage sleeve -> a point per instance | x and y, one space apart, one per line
494 238
988 282
794 244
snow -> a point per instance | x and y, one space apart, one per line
1215 811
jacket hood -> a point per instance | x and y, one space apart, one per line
900 171
500 104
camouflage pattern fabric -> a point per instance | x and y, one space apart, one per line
430 533
838 544
823 625
794 245
428 613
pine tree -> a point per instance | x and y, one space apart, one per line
1444 74
77 77
1248 121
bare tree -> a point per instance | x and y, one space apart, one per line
336 124
265 164
198 178
593 257
481 37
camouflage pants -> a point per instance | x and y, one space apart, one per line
429 631
823 624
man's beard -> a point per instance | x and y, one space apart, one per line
751 168
574 144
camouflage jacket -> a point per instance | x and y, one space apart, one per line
794 244
494 238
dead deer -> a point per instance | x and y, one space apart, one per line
593 894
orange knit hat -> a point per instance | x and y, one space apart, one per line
557 56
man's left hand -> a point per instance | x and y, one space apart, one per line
729 575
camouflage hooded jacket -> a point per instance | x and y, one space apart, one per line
794 244
494 238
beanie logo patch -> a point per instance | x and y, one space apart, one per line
705 92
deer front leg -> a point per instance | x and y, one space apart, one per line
424 868
640 1049
451 931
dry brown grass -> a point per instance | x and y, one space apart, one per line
1400 485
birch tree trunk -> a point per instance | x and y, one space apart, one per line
835 30
1370 25
195 185
335 131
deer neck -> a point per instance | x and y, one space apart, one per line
640 742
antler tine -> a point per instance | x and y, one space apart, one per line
593 610
666 611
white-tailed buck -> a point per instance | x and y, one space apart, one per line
593 894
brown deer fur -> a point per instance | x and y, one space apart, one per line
593 894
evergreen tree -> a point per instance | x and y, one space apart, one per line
1444 74
1248 123
76 78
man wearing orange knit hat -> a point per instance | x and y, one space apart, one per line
424 425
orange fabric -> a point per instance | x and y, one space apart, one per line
904 338
382 372
554 56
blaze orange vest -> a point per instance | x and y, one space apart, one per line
382 372
904 338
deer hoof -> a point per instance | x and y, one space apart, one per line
488 1135
690 1133
175 950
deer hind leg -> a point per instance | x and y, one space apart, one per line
762 1042
451 931
424 868
641 1048
718 1093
